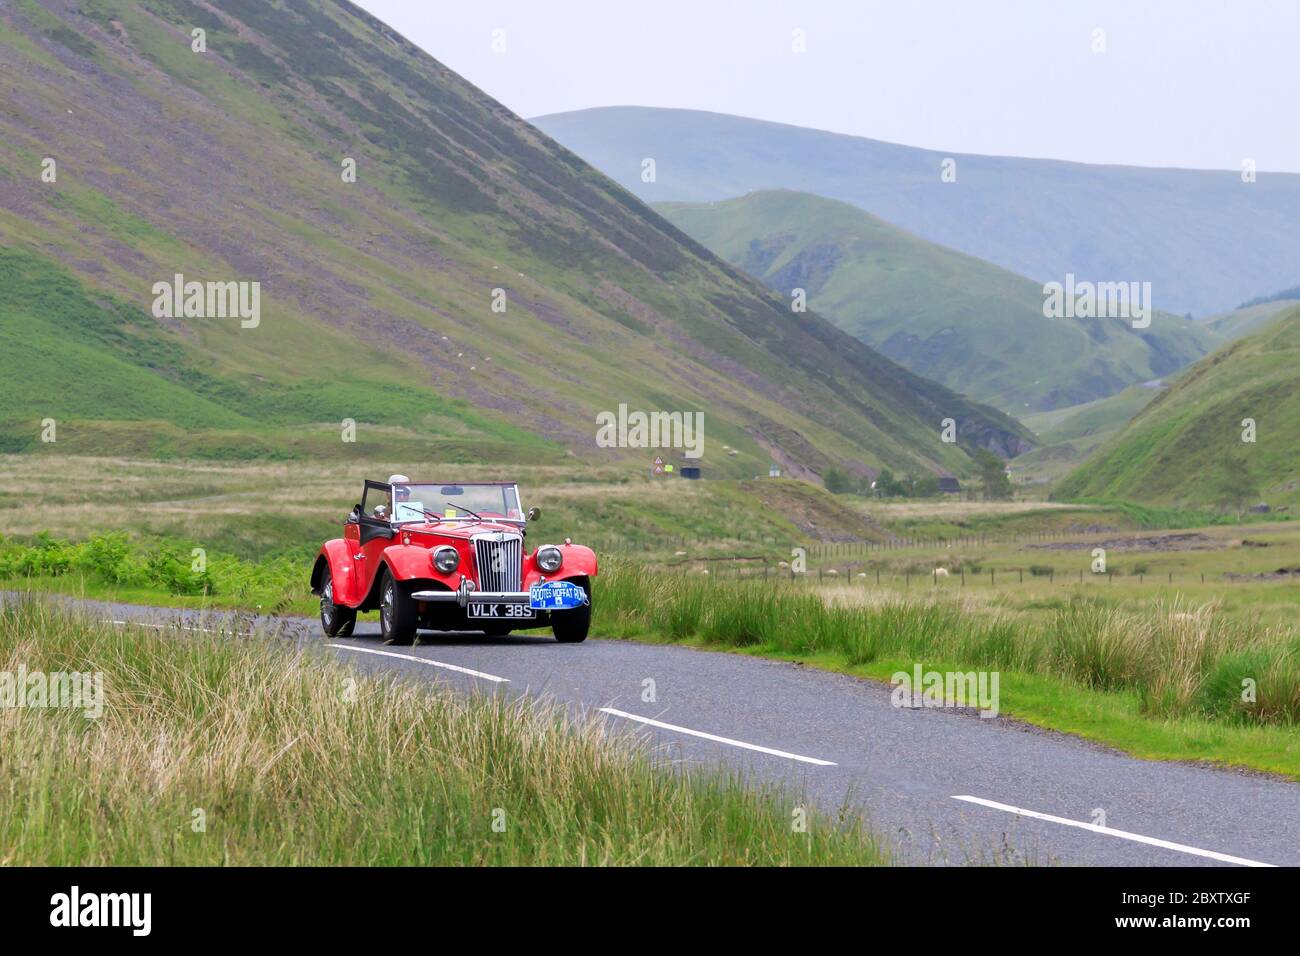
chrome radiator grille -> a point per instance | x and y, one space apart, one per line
499 559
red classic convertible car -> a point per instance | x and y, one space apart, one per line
450 557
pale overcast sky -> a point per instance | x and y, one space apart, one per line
1196 83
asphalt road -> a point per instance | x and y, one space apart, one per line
941 787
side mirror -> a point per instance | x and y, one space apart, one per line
534 514
356 513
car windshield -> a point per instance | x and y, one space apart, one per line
453 502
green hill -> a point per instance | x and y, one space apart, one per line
1070 435
1205 240
1186 446
477 293
1251 316
975 327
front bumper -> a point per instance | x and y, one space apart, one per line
463 596
468 591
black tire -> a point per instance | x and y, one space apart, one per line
336 620
397 617
571 626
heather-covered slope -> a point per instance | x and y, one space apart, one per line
477 293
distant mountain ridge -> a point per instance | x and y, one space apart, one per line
1289 295
970 325
1251 316
1206 240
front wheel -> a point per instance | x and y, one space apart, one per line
336 620
571 626
396 610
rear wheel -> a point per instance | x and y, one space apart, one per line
336 620
571 626
397 617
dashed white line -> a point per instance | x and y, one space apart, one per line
423 660
163 627
716 738
1122 834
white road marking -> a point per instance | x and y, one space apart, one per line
423 660
716 738
163 627
1122 834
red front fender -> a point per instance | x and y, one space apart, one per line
579 562
336 555
409 562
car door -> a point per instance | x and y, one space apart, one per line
352 593
373 536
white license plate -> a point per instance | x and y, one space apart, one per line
500 612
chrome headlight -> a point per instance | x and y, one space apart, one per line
549 558
446 559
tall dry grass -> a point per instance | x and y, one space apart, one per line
289 757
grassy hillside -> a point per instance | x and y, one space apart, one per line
976 328
478 293
1070 435
1251 316
1203 238
1186 446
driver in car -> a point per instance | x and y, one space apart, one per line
404 509
385 506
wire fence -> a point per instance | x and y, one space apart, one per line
633 542
842 549
868 561
757 568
